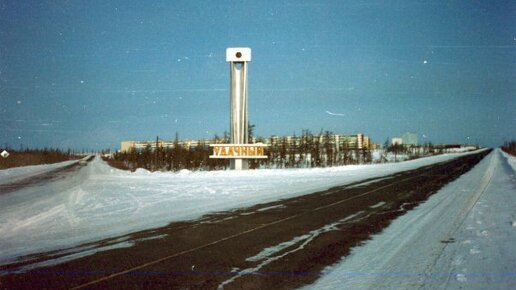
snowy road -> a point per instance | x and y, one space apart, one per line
16 179
265 245
29 174
463 237
101 202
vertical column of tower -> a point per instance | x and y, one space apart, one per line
238 59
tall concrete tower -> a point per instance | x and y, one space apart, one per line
238 58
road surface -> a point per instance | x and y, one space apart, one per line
42 177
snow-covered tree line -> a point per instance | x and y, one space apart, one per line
307 151
310 151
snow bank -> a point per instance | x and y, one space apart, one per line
461 238
511 160
100 202
18 173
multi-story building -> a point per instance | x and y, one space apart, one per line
127 146
340 141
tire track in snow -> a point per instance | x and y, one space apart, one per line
458 222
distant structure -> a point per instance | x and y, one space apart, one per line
396 141
341 141
409 139
348 141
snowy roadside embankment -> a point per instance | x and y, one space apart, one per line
15 174
461 238
100 202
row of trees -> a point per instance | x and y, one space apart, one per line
309 150
312 151
510 147
168 159
282 153
404 152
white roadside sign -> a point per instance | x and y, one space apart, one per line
5 154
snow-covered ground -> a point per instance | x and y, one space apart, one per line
463 237
18 173
100 202
380 155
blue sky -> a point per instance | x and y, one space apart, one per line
89 74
